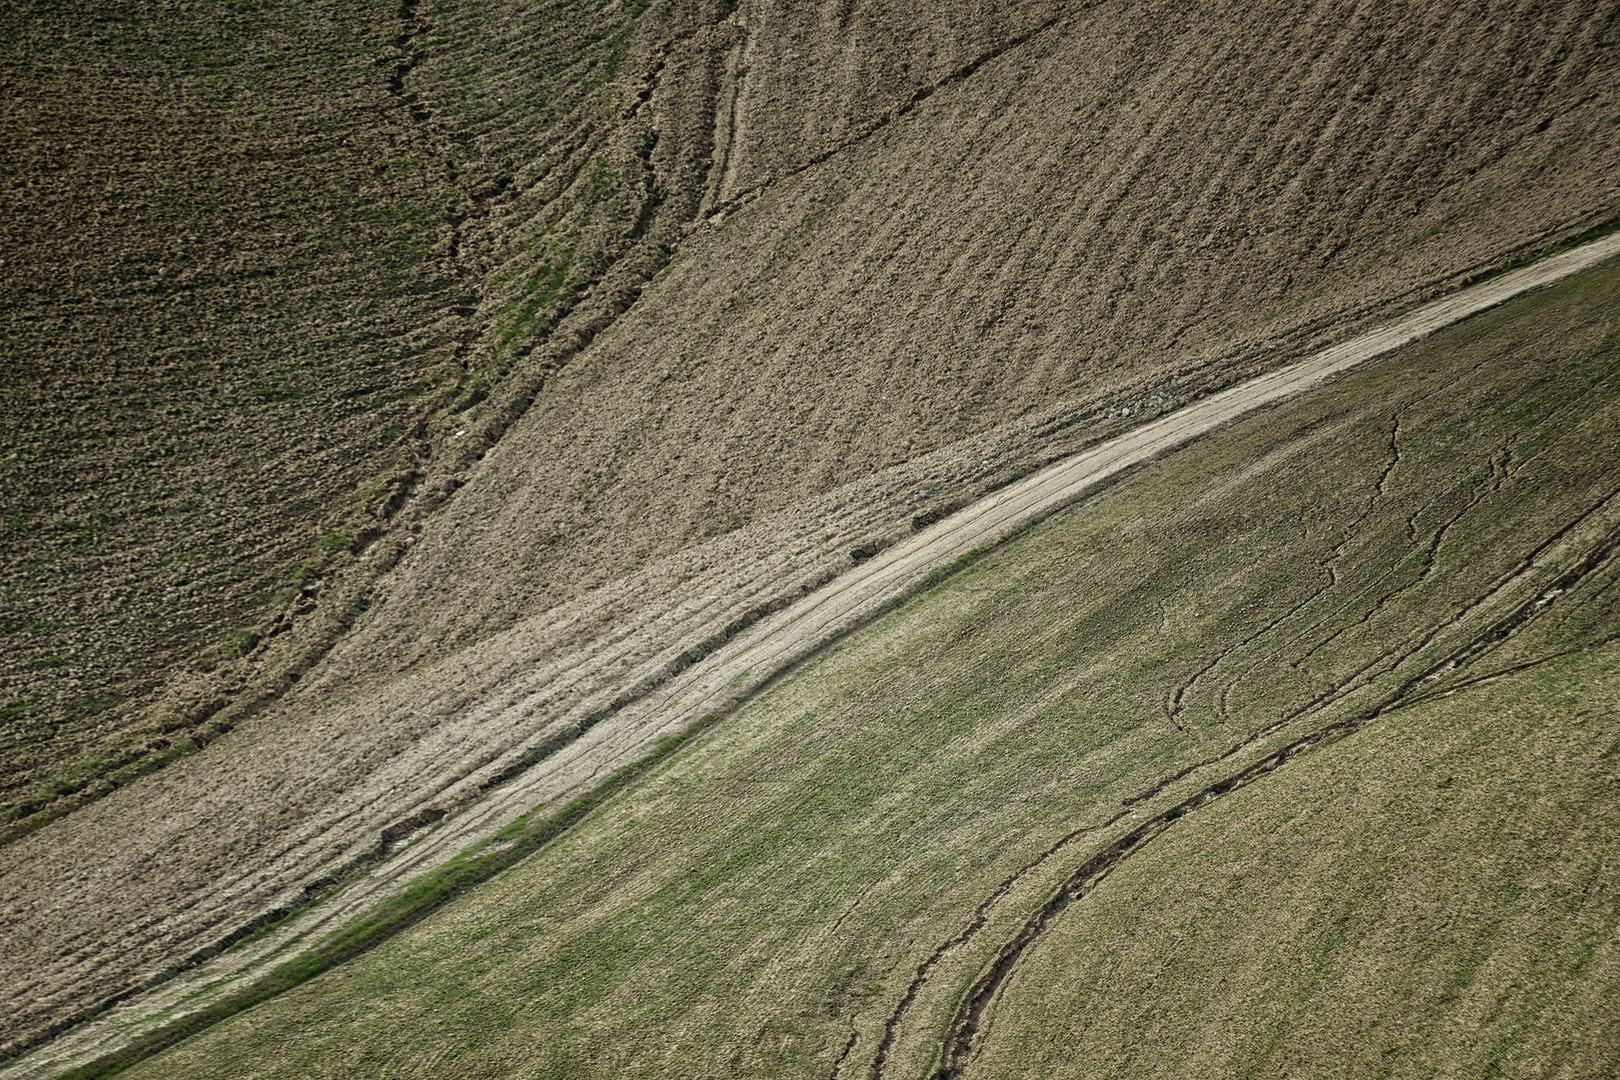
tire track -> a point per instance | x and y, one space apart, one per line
966 1029
1360 679
1177 705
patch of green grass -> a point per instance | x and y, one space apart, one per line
537 296
514 842
1447 223
278 393
939 576
20 707
1442 873
241 642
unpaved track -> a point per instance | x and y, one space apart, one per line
593 738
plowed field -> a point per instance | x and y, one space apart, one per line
369 363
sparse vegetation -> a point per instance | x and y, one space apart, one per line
395 390
1431 896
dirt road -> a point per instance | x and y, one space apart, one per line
607 703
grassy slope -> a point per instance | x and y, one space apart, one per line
1436 897
759 903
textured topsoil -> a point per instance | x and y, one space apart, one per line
342 336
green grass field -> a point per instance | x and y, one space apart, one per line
815 886
1438 896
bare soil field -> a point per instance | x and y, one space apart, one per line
1292 751
548 312
225 299
1136 201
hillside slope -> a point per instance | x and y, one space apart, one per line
258 263
226 303
1324 702
709 282
1433 898
1136 201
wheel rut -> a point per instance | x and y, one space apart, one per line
965 1032
1526 592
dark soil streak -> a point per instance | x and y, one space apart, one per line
655 195
1513 669
1177 705
898 112
849 1048
726 117
981 915
411 28
478 198
1355 680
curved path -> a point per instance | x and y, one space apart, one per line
586 731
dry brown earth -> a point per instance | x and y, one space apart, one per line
1065 213
1134 195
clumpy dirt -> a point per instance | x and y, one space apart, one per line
226 300
250 270
1129 194
392 327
